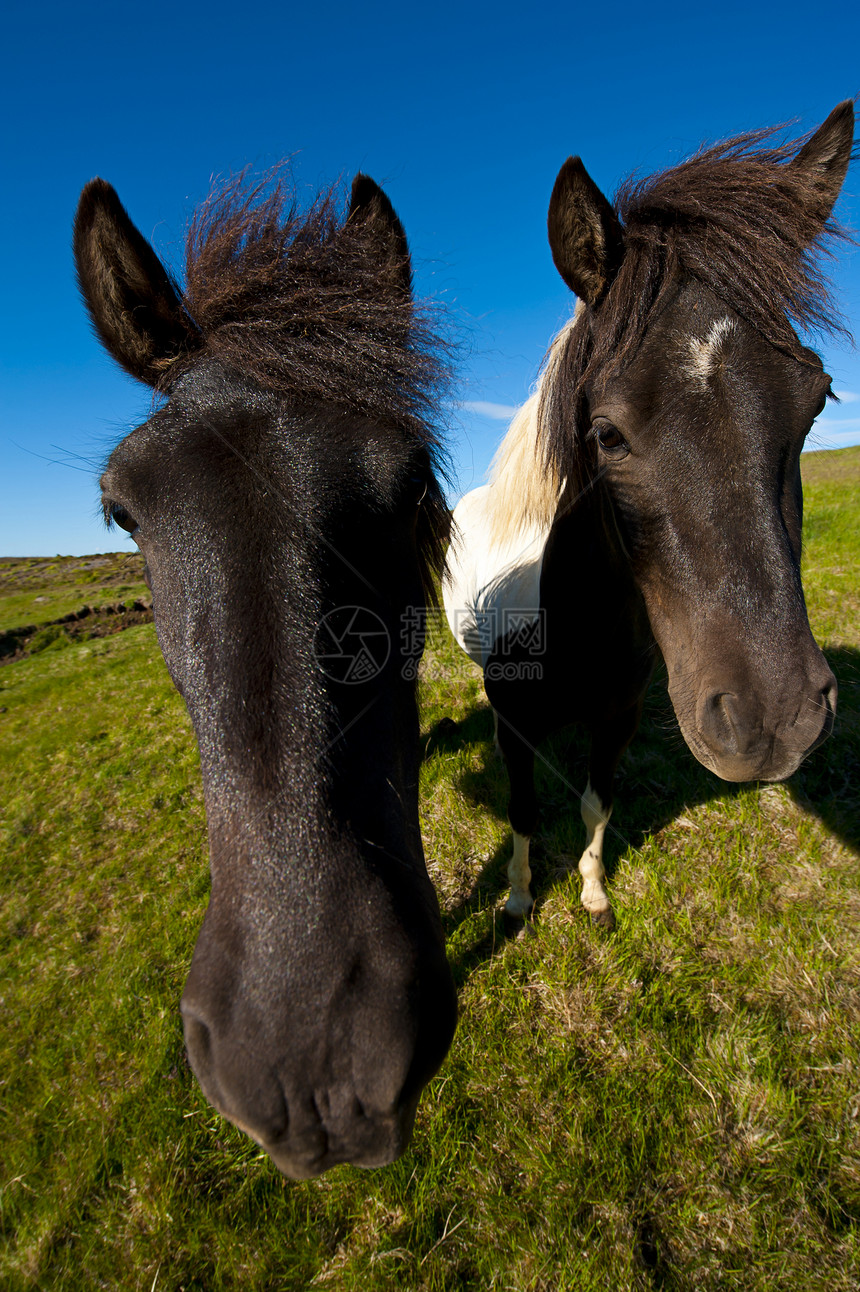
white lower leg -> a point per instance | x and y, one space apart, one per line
596 817
519 875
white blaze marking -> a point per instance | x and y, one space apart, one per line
596 817
705 354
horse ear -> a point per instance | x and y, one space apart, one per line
371 211
132 300
585 235
824 159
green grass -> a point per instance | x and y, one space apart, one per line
35 590
673 1106
831 481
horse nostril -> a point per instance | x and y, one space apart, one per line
828 708
719 721
198 1041
828 697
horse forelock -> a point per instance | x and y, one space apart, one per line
743 221
303 301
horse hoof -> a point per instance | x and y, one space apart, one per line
516 928
515 925
604 919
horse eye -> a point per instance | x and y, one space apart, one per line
610 438
120 517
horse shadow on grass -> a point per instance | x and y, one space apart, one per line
658 781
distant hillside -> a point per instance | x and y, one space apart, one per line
49 601
826 465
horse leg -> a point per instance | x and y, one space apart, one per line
595 815
608 742
522 814
496 745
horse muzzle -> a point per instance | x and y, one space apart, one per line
305 1126
741 737
319 1055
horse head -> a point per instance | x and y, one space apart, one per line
685 391
284 494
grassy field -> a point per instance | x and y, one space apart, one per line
672 1106
36 589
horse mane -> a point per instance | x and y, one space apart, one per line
304 302
525 489
735 216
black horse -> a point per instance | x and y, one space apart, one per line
650 489
285 496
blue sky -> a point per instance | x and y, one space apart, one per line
464 112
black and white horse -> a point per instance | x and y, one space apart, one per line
650 489
284 493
